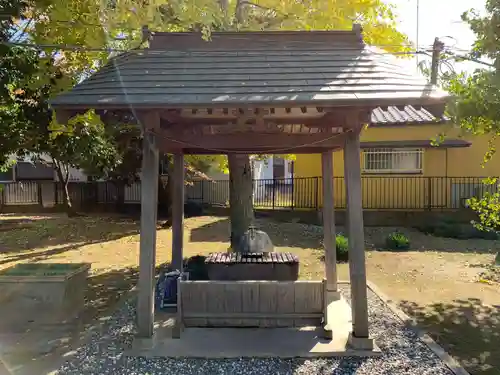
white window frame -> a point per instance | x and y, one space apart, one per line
392 156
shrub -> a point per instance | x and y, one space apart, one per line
449 229
426 228
397 241
484 234
342 248
453 227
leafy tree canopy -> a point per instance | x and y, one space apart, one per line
476 107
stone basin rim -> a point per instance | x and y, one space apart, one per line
78 268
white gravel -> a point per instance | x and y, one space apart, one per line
403 353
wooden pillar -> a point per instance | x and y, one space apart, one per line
147 256
359 337
177 212
329 222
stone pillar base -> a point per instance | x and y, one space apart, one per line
145 343
360 343
337 314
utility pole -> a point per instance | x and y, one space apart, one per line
437 48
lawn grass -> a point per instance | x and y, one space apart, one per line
437 288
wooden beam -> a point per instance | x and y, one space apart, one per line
147 255
329 221
251 315
250 150
149 120
256 141
178 211
347 118
357 266
331 117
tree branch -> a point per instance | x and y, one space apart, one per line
246 2
66 177
240 7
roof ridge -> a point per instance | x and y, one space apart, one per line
256 39
254 32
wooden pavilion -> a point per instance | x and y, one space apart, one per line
253 92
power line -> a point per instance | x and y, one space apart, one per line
114 49
469 58
66 47
418 26
85 23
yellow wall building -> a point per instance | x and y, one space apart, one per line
401 167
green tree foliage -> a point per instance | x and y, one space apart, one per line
476 107
27 125
117 24
14 64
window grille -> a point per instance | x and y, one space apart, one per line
393 160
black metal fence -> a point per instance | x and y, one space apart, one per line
49 193
384 192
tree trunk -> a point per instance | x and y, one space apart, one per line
64 180
240 197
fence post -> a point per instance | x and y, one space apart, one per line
429 193
2 195
316 193
293 197
83 193
39 193
202 192
274 192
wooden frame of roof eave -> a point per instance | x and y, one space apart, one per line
325 117
182 138
351 102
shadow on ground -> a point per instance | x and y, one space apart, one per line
39 256
19 222
41 348
349 365
281 234
467 329
26 234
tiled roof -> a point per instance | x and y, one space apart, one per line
405 115
421 143
260 68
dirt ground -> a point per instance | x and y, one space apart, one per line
435 282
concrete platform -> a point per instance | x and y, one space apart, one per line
303 342
220 343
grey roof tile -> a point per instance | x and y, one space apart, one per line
405 115
328 68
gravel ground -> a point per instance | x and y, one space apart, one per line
403 352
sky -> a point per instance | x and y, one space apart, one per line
438 18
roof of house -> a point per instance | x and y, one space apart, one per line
406 115
418 143
253 68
